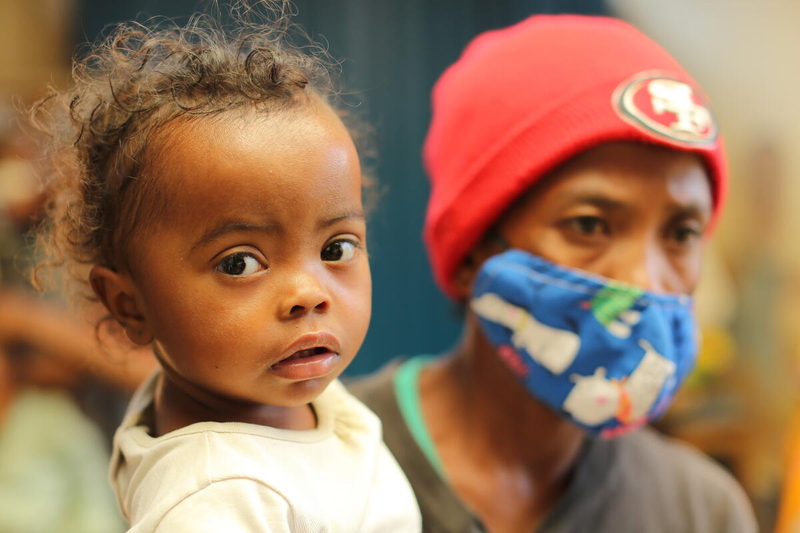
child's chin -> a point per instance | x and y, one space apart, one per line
302 392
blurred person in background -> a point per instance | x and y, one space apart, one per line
53 475
54 436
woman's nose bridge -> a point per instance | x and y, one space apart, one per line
641 263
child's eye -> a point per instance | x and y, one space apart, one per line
239 264
340 250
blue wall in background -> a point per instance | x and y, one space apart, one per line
392 52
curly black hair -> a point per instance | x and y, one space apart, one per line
102 131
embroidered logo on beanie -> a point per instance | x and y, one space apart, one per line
667 108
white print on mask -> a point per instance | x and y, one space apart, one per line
645 383
595 400
555 349
621 327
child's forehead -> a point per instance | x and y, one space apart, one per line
190 143
246 121
210 162
284 172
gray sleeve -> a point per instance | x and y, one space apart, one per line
646 482
710 499
727 504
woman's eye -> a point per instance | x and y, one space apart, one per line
588 225
341 250
686 234
239 264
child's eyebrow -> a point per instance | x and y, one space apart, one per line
228 227
331 221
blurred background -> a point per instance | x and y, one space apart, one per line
739 405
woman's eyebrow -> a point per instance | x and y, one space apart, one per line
691 209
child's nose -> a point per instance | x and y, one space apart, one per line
305 294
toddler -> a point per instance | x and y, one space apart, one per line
216 205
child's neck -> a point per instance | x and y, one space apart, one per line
178 404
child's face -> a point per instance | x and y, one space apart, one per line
260 256
625 211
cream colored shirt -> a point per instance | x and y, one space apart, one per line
237 477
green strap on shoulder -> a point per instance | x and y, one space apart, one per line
406 386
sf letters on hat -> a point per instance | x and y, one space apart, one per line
666 108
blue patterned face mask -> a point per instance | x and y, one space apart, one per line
606 355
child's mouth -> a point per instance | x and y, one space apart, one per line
305 353
318 354
306 364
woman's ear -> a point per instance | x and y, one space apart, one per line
116 291
464 276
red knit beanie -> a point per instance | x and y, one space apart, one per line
522 100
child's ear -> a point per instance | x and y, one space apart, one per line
116 291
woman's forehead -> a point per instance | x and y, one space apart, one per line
630 173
